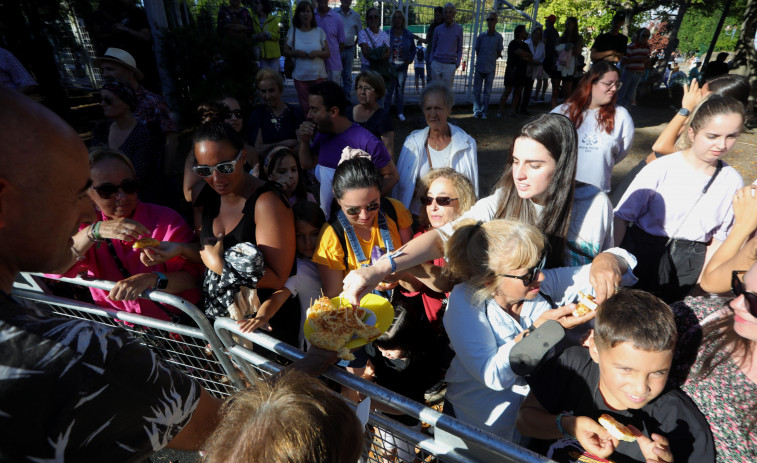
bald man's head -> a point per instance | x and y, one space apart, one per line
44 177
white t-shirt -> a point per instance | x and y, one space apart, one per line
306 284
599 151
664 191
591 223
307 69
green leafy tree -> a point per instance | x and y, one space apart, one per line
697 29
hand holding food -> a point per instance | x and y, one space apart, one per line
146 242
584 305
335 325
121 229
616 428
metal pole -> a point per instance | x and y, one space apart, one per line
717 32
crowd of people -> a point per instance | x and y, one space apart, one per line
288 202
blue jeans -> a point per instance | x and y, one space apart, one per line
348 57
480 105
398 88
627 92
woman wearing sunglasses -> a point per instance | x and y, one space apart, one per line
605 131
440 144
445 194
143 144
368 225
718 364
501 266
105 248
233 207
236 120
537 183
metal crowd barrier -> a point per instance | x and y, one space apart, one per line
195 350
450 440
221 360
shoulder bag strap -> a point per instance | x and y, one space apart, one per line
704 191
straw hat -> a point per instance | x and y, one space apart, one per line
122 57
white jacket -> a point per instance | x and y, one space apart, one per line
463 159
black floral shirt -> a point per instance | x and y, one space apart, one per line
73 390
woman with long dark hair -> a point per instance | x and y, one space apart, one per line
536 185
605 131
680 206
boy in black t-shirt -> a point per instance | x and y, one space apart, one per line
624 374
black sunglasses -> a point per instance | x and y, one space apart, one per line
222 167
737 287
235 113
440 200
531 275
107 190
355 210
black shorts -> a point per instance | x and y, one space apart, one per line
515 77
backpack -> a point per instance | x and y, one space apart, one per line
419 55
386 207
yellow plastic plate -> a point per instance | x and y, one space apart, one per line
381 307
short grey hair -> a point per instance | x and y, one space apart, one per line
438 87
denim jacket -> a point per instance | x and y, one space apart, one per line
408 48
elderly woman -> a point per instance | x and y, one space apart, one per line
266 32
402 54
374 42
105 248
274 122
142 143
368 114
306 42
501 264
441 144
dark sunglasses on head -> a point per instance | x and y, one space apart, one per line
222 167
531 275
235 113
355 210
737 287
440 200
106 190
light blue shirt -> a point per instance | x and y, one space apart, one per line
488 48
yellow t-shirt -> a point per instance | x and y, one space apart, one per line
330 253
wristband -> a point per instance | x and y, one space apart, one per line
558 420
96 231
684 112
392 263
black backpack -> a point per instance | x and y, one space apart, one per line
386 207
419 55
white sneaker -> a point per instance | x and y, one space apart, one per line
401 117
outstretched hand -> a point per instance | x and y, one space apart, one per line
656 449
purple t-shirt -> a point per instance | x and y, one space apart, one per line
328 146
334 28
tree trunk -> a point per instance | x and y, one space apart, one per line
745 62
683 6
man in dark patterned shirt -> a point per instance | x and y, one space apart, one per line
72 390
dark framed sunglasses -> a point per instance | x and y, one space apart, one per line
224 168
440 200
235 113
737 287
355 210
107 190
531 275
